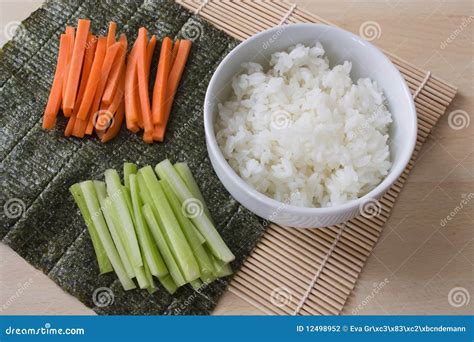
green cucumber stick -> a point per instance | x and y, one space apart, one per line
168 283
197 232
196 284
166 171
222 269
107 210
187 176
137 271
151 284
103 261
173 268
128 169
141 277
150 252
205 263
172 231
128 199
99 222
118 198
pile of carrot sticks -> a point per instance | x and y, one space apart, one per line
97 86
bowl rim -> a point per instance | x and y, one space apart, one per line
375 193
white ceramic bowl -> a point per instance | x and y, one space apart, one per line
340 45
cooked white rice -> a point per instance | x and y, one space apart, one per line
303 133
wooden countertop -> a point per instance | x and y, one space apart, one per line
419 260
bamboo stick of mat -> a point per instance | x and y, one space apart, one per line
313 271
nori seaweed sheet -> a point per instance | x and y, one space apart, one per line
39 166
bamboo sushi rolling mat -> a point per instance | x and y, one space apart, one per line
313 271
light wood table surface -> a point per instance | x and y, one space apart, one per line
425 267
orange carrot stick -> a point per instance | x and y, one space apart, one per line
93 81
143 86
110 57
136 98
175 51
70 125
108 110
76 64
54 100
111 34
86 69
173 83
70 31
159 90
90 123
150 49
131 108
114 128
114 76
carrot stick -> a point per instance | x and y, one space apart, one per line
110 57
131 108
86 69
111 34
136 98
70 125
90 124
76 64
107 74
150 49
173 83
93 81
70 31
54 100
143 86
114 76
107 111
114 128
159 90
175 51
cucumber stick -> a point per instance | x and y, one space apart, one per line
104 264
217 245
186 175
168 283
128 169
93 206
205 263
173 233
163 246
117 236
149 250
119 200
